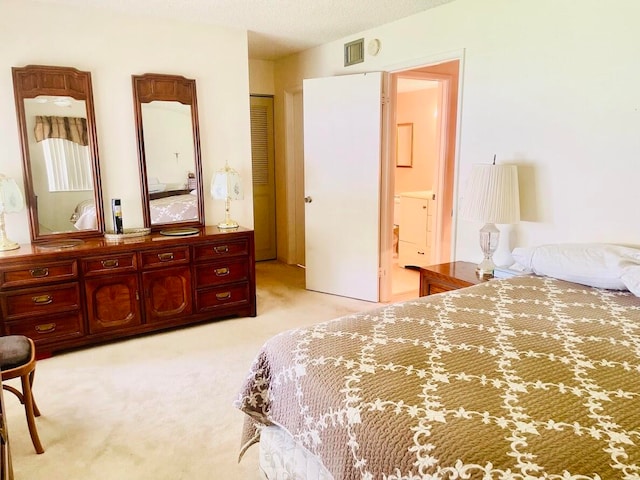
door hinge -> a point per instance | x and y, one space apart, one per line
381 272
384 99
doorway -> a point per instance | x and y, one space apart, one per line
426 100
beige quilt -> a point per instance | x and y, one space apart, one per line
521 378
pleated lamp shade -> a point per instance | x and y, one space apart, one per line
492 195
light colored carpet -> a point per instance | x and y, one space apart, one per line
405 282
159 407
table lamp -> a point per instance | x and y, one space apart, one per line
492 196
227 185
11 200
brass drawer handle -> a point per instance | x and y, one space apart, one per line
46 327
42 299
165 257
110 263
223 296
222 272
39 272
222 249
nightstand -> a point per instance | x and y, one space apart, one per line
448 276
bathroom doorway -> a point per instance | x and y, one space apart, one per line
425 123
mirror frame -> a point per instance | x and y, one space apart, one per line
35 80
171 88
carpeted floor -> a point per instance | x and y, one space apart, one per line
159 407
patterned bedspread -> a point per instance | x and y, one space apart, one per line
176 208
527 377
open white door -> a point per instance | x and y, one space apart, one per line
342 152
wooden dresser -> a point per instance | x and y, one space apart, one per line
69 296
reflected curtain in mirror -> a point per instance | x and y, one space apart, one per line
65 143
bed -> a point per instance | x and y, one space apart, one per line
84 216
526 377
173 208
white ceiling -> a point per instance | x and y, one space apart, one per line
277 28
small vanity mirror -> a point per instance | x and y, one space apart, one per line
54 106
168 151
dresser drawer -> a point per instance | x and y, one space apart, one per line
222 297
108 264
37 273
434 288
41 301
164 257
215 250
43 329
218 273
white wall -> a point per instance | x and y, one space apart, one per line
113 47
261 77
551 85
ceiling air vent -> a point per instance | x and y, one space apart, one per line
354 52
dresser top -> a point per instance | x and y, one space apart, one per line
73 247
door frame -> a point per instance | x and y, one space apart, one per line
292 164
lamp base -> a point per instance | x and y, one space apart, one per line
228 224
489 238
6 244
485 269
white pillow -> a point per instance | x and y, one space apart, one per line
595 264
631 278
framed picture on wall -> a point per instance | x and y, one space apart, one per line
404 145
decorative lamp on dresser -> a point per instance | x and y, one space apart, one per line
72 293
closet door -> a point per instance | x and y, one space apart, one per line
264 191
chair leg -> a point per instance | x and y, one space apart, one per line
36 411
29 410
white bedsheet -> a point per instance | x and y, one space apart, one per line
84 216
282 458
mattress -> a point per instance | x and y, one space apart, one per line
527 377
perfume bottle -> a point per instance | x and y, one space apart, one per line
116 209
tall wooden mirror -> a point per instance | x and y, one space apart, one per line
168 151
54 107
